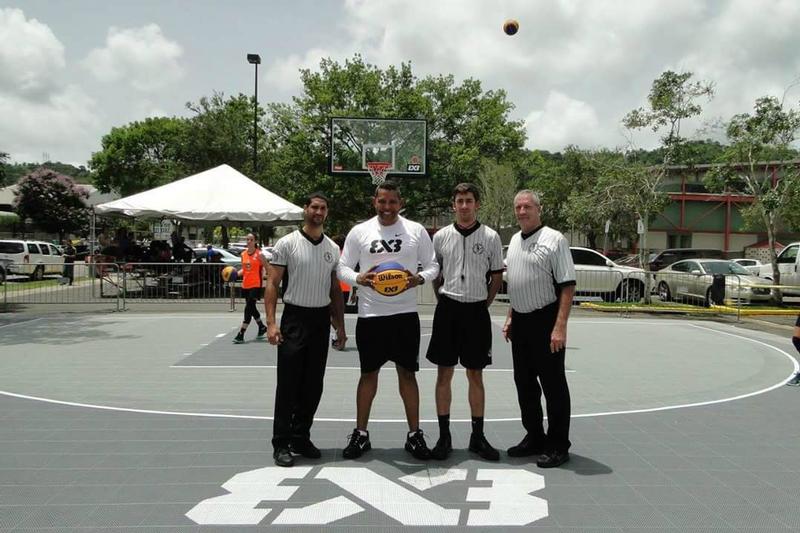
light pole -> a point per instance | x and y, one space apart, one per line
255 59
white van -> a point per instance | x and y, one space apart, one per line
32 258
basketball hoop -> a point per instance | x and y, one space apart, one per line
378 170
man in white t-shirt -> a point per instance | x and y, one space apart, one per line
388 326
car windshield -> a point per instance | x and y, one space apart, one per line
725 267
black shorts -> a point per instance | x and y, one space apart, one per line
253 293
461 331
388 338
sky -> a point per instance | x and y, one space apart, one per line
70 70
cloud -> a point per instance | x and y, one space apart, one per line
595 61
31 57
283 74
141 57
62 126
563 121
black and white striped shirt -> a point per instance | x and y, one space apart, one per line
465 257
537 263
309 264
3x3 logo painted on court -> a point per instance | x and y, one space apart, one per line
506 491
379 246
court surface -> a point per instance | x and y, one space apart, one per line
157 422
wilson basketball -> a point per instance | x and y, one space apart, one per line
511 27
228 274
390 278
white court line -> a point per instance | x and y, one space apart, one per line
20 323
221 335
795 365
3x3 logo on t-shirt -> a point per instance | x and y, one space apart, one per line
380 246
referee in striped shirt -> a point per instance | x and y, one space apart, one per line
312 301
541 284
468 253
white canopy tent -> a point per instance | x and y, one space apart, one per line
219 194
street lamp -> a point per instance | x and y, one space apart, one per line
255 59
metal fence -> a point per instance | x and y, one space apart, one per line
121 286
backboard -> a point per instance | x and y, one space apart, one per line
357 142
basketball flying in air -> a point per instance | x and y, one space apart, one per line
228 274
511 27
390 279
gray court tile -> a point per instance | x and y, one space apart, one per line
169 514
692 516
618 496
581 516
113 516
789 516
11 516
665 495
85 494
27 494
715 495
57 516
746 516
638 517
643 476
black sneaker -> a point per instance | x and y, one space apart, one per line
262 330
795 381
443 448
357 446
481 446
526 448
239 339
283 457
415 445
552 459
306 448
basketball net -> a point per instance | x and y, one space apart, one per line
378 170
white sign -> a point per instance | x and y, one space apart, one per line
162 230
608 225
640 227
508 496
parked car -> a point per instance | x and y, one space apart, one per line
788 266
32 258
752 265
597 275
225 256
664 258
690 280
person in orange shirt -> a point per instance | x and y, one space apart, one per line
252 274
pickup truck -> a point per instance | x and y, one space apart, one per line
789 267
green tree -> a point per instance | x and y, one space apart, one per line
465 124
52 201
673 98
499 185
221 132
141 155
4 157
765 135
